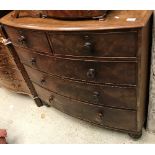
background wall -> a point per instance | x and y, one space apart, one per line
151 110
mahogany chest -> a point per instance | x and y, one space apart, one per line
95 70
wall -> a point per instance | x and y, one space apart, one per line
151 109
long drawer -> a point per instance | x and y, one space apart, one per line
102 44
111 72
109 117
111 96
31 39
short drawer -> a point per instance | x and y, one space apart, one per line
112 44
109 117
35 40
111 96
111 72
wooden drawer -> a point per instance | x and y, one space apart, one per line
110 72
96 94
112 44
109 117
35 40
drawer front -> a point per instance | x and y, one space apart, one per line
12 79
114 118
116 44
91 71
95 94
35 40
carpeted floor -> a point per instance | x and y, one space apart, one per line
26 123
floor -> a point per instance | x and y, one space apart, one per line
28 124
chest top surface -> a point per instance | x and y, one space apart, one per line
114 20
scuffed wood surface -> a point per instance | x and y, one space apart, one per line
115 19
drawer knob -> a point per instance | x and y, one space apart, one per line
91 73
21 39
51 98
88 47
96 96
33 61
100 115
42 81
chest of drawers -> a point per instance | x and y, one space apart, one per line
93 70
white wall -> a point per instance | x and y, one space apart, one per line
151 110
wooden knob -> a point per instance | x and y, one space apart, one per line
51 98
42 80
96 96
100 115
91 73
88 47
33 61
21 39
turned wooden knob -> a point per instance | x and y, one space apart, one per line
42 80
100 115
88 47
51 98
91 73
33 61
96 96
22 39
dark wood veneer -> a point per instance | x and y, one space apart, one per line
112 96
104 116
90 71
112 44
25 38
93 70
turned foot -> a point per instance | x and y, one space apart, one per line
135 135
